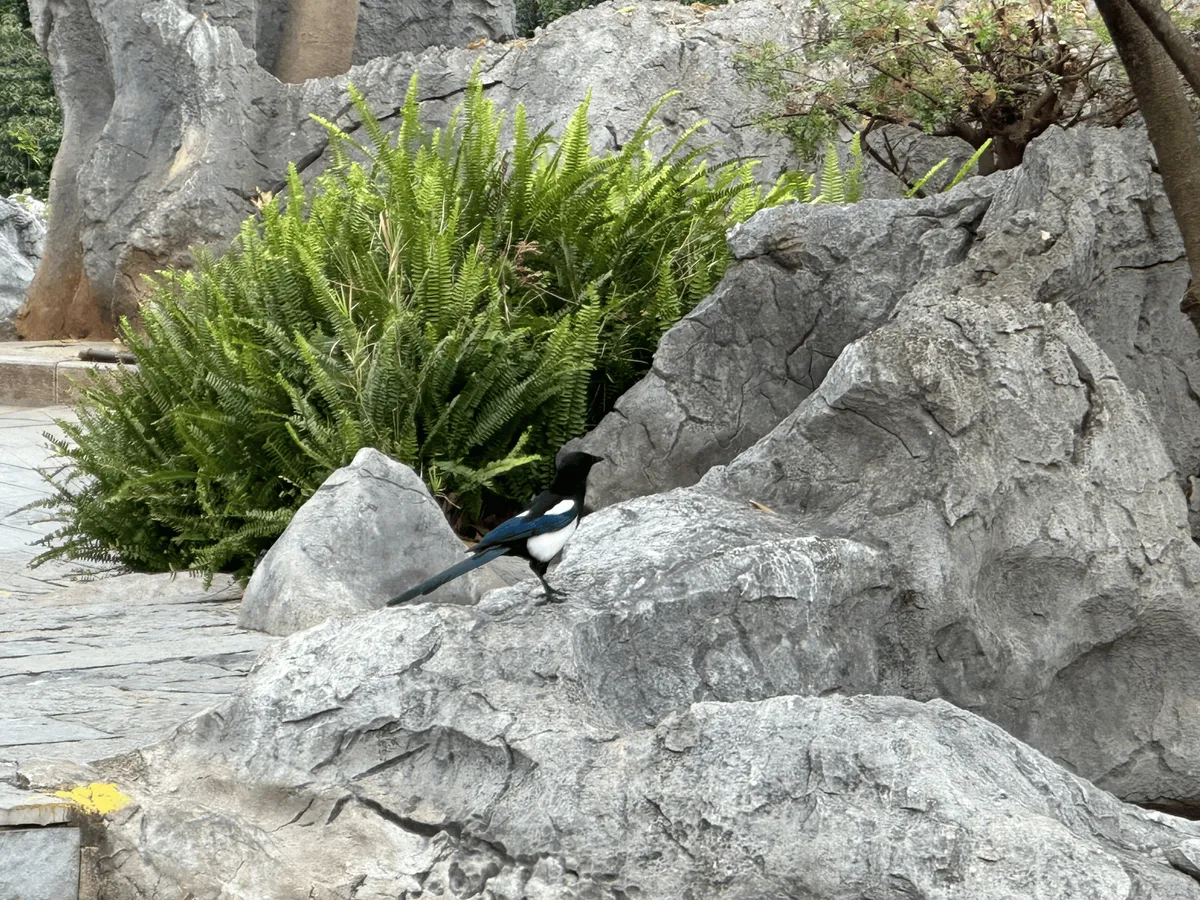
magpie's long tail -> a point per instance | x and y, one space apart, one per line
462 568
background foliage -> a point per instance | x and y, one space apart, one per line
464 309
999 70
30 117
533 14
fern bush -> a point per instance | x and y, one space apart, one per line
464 309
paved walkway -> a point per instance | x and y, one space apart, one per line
93 668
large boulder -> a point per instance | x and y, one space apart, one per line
805 281
444 751
385 27
1024 498
22 234
371 531
1083 221
167 147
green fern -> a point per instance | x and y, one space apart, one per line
920 182
460 307
971 163
837 185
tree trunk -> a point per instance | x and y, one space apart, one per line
318 39
1006 152
1177 46
1169 118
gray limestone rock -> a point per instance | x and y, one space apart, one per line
805 281
157 150
371 531
1083 221
477 769
1024 498
388 27
22 234
167 147
346 551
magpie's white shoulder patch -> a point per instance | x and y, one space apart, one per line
562 506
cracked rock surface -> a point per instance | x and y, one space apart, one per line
1021 493
806 280
1083 222
506 750
424 778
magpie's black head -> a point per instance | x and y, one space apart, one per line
572 474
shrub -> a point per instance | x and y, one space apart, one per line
463 309
30 117
999 70
533 14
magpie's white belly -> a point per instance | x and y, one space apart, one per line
545 547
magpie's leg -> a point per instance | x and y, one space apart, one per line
552 596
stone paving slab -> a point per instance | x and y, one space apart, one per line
28 808
90 669
39 863
43 373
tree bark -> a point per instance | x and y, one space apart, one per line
1169 119
318 39
1177 46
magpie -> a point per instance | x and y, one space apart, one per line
538 534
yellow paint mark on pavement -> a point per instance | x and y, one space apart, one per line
97 797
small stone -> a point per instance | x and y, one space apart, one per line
370 532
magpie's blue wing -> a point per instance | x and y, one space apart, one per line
530 524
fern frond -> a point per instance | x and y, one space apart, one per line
920 182
833 184
966 167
